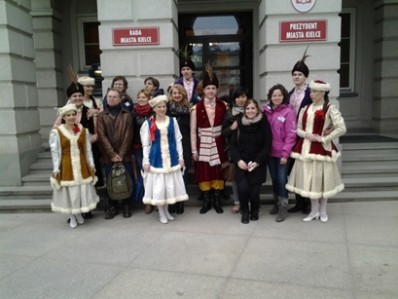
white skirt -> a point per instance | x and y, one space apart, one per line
74 199
164 188
315 179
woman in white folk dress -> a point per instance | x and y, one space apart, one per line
315 174
162 159
73 175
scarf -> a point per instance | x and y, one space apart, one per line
142 110
236 110
246 121
177 110
208 151
152 127
115 110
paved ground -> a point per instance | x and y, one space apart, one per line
354 255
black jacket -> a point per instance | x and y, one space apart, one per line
251 143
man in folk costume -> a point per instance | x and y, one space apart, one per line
190 83
207 143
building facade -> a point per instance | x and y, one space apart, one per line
353 44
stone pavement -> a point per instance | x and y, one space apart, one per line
354 255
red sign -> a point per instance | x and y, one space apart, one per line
299 31
139 36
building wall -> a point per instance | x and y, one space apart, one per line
385 100
40 38
277 59
19 118
138 62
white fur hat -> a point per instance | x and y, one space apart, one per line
157 100
319 85
69 107
86 81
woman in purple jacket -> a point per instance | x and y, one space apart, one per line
282 120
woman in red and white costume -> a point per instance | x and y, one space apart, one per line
315 174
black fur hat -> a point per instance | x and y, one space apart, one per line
300 65
74 87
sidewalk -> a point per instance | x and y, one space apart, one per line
354 255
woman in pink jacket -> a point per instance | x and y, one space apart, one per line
282 120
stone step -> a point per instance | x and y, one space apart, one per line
371 181
43 164
375 156
25 205
44 155
44 204
387 169
365 196
370 146
377 165
22 191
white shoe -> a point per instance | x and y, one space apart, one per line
324 218
311 217
73 223
79 218
163 220
168 216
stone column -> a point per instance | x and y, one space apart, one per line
48 48
138 62
385 104
19 118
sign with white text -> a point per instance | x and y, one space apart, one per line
139 36
300 31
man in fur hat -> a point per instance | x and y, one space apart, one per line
187 67
207 143
187 80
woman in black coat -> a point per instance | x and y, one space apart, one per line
249 149
178 107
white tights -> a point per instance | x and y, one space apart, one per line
319 205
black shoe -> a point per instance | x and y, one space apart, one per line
206 198
127 212
180 208
88 215
307 206
217 202
254 215
245 217
204 209
172 208
111 213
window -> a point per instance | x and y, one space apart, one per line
89 50
347 48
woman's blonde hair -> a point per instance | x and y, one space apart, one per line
145 92
182 91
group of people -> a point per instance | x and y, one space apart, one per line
161 138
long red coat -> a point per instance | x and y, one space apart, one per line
203 171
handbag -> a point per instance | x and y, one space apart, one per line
118 184
228 171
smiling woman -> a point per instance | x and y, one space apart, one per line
73 176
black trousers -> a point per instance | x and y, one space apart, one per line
248 193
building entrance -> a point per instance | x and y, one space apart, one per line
225 41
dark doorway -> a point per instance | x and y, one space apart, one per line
224 40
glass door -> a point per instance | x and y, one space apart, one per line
225 43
